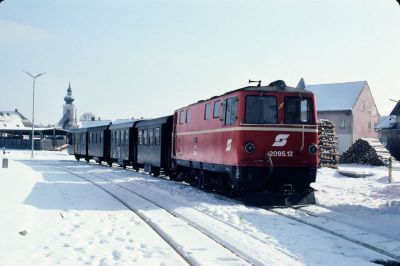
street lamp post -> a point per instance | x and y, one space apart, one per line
33 105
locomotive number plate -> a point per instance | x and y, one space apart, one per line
280 153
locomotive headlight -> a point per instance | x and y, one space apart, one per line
313 149
249 147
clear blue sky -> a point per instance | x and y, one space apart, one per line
146 58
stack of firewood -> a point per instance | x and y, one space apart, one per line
328 144
366 151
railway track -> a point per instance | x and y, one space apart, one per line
244 256
363 244
238 256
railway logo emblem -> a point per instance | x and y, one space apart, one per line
229 145
280 140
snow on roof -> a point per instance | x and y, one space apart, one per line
96 123
124 120
11 120
336 96
387 122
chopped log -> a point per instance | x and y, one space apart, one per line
366 151
327 144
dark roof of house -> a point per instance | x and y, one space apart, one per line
337 96
396 109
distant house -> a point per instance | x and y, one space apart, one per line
351 107
16 132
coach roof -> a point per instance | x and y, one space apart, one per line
124 124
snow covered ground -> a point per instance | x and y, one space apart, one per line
52 217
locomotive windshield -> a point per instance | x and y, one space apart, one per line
298 110
261 110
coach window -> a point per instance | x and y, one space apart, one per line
145 137
157 136
207 111
230 111
217 105
140 137
260 110
187 116
182 117
151 132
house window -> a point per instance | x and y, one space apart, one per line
217 105
182 117
207 111
157 136
187 116
342 123
369 126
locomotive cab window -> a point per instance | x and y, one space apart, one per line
188 116
230 108
182 117
217 106
207 111
260 110
298 110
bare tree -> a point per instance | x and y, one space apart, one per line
88 116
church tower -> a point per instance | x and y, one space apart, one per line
68 119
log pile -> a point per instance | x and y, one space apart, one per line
328 144
366 151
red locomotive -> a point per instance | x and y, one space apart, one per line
258 142
254 139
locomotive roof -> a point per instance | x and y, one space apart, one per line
260 89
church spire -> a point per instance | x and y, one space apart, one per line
69 99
